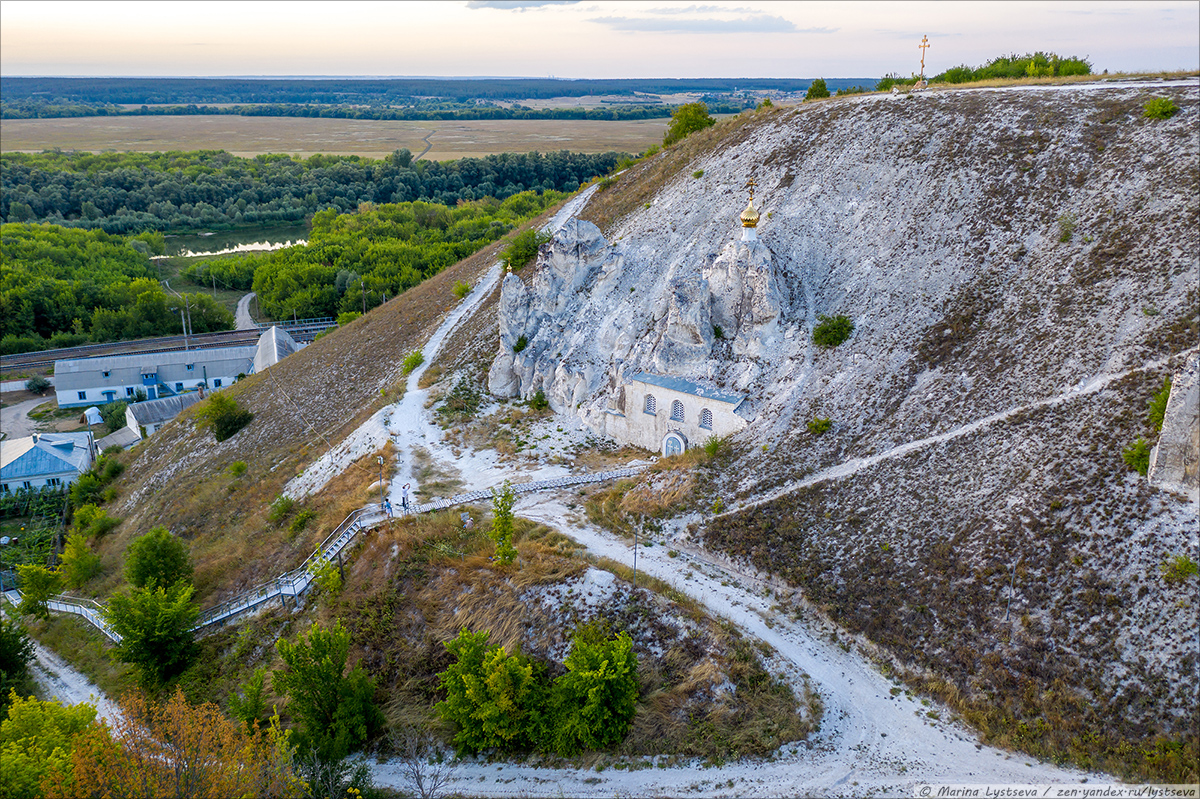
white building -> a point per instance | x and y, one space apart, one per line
97 381
671 414
44 460
145 418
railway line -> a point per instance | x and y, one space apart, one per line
303 331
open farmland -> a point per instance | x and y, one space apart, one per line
249 136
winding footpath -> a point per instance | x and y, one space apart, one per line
871 741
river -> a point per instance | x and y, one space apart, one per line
222 242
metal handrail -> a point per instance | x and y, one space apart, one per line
296 582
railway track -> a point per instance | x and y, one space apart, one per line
303 331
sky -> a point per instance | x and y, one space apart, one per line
584 39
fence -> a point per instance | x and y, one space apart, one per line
296 582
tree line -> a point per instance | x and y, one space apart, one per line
42 108
212 189
360 91
1012 66
62 287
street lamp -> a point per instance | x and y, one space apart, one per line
381 505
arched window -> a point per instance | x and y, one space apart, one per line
651 405
706 419
677 411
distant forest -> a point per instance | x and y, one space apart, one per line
133 192
400 98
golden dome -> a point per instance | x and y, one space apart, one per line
750 216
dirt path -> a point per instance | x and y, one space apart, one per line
428 145
871 742
243 318
15 421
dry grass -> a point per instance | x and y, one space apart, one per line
250 136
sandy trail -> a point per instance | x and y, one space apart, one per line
871 742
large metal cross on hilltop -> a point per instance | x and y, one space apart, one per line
923 45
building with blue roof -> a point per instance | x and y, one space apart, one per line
45 460
670 414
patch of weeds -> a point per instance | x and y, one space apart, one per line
237 468
301 521
1137 456
1159 108
462 289
817 425
281 508
462 402
699 173
1158 406
1179 569
1066 227
832 330
412 361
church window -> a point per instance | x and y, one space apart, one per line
706 419
651 405
677 411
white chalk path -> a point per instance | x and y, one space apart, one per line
871 743
407 427
854 465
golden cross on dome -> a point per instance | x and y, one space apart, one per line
751 184
923 45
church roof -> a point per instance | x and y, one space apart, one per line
686 386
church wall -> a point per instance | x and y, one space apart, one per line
646 430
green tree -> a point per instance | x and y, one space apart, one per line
501 531
831 331
687 119
16 652
156 629
38 584
1158 407
494 700
251 704
224 416
113 414
91 521
522 250
335 710
79 562
157 559
594 701
37 385
816 90
37 740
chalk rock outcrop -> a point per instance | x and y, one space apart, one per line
1175 462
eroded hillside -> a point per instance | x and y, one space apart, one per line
1021 267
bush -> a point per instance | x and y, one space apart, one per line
157 559
1178 569
237 468
501 531
281 508
718 333
16 653
412 361
816 90
224 416
37 385
1158 406
686 120
346 317
521 344
38 584
1137 456
113 415
593 703
91 521
766 103
1159 108
1066 227
832 330
538 401
79 562
523 249
462 289
699 173
301 521
155 625
817 425
492 698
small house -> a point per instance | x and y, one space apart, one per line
45 460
